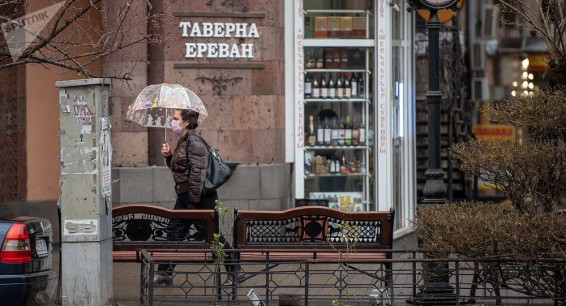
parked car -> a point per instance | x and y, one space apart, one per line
26 275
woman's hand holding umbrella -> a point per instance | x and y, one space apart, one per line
165 149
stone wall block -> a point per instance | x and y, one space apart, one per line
220 115
270 43
274 204
129 149
135 185
274 11
275 181
263 145
279 112
246 112
279 145
266 81
243 185
163 185
236 145
267 106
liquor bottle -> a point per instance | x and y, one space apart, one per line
343 164
327 133
354 85
312 136
361 86
329 58
315 88
308 86
339 87
362 131
332 166
355 133
347 132
341 136
310 60
337 60
319 133
344 59
323 88
336 166
334 132
357 164
347 87
308 162
331 88
319 60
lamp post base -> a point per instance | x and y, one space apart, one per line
434 191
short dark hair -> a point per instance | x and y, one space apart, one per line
191 117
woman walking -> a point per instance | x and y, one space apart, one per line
188 163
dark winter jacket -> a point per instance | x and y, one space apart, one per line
177 162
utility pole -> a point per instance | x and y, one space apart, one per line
86 199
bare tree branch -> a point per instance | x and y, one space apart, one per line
547 17
84 33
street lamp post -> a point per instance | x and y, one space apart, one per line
436 289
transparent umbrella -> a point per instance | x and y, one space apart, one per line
155 104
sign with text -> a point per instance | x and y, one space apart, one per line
493 131
225 32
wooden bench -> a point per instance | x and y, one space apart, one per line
143 226
263 242
315 235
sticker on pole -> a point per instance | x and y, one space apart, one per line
19 33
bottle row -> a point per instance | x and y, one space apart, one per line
347 133
340 86
344 164
335 58
339 27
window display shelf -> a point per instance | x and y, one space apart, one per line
338 42
313 175
342 100
322 70
336 147
338 11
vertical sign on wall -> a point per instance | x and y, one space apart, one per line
300 104
383 110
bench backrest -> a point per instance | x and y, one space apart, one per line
311 227
144 226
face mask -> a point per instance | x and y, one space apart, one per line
176 127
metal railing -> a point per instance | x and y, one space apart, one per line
479 282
